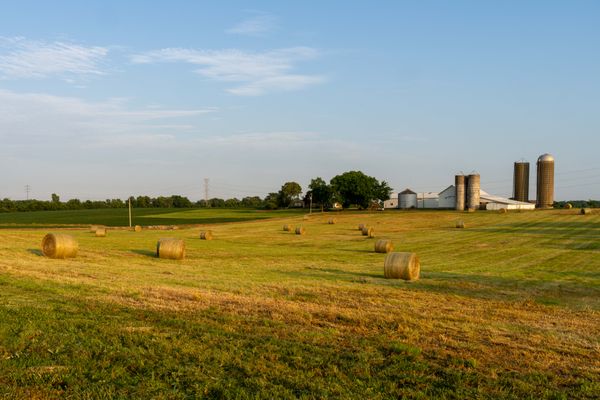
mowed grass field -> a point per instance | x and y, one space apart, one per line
506 308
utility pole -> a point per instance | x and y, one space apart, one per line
27 190
206 192
130 211
310 207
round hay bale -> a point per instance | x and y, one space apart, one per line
287 228
137 228
59 245
206 235
368 231
586 211
332 221
170 248
503 211
300 230
101 232
361 226
568 206
383 246
94 228
402 266
460 224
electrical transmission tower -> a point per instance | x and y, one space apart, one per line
206 192
27 190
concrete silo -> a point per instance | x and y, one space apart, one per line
473 191
407 199
521 181
459 183
545 182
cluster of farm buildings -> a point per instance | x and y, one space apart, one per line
466 193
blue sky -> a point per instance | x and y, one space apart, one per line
103 99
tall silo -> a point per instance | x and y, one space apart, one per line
407 199
545 181
521 181
459 183
473 191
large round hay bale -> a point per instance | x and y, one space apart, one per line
568 206
137 228
287 228
206 235
368 231
503 211
170 248
460 224
94 228
361 226
59 245
586 211
402 266
383 246
101 232
300 230
332 221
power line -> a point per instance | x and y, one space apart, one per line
27 190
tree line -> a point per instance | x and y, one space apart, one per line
350 189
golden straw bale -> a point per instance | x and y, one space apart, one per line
383 246
503 211
460 224
402 266
206 235
300 230
568 206
137 228
332 221
59 245
170 248
287 228
586 211
94 228
361 226
101 232
368 231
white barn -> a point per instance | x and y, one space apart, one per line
392 202
427 200
492 202
447 198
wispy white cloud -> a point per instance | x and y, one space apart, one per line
255 26
24 58
257 73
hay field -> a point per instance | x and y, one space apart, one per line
506 308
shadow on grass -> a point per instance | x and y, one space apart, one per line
557 291
144 252
36 252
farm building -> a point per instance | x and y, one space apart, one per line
447 198
428 200
492 202
392 202
407 199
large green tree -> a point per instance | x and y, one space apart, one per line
356 188
321 193
289 192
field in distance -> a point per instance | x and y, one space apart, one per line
506 308
141 216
